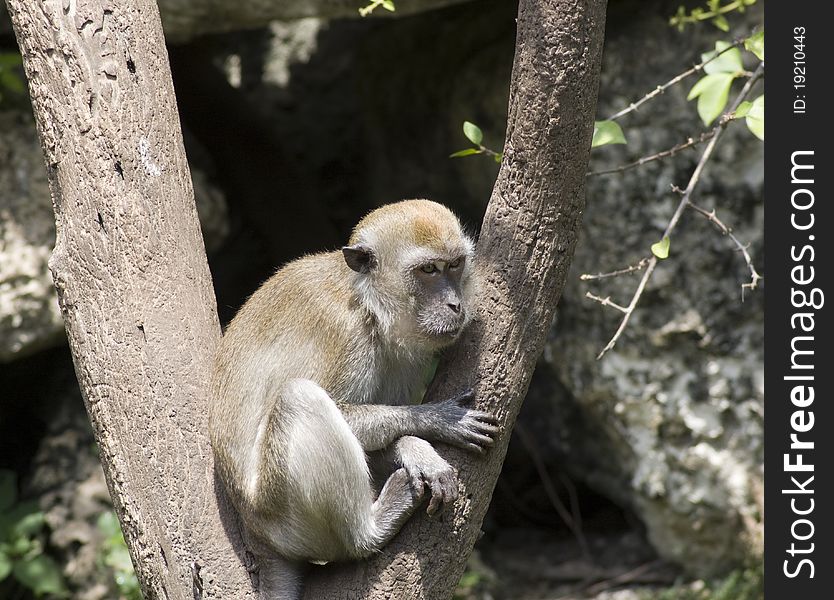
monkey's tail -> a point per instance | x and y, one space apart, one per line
280 578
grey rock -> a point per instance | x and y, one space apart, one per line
669 423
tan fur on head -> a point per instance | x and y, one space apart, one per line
412 223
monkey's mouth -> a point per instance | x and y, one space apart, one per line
452 330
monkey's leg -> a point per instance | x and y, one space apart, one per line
313 460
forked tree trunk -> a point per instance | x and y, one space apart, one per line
134 287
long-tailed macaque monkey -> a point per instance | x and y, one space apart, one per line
320 369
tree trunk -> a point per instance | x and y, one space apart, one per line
133 282
524 252
135 290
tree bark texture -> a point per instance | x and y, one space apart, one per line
133 282
524 252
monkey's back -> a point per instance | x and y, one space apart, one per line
304 322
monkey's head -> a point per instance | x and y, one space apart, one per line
413 271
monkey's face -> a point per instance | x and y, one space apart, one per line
413 271
440 294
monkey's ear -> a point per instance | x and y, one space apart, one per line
359 257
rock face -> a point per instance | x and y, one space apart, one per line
670 423
29 316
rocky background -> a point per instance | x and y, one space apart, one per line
297 128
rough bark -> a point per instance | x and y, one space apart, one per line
526 244
133 283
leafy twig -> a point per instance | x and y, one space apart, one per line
662 88
718 131
681 19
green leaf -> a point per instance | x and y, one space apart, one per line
119 559
728 62
42 575
8 489
11 81
712 92
743 109
755 118
388 5
755 44
466 152
607 132
108 524
721 22
661 249
10 59
5 565
473 133
21 546
12 519
29 525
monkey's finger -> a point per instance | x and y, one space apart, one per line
450 488
483 416
473 447
436 501
482 440
481 427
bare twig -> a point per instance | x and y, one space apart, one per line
606 302
693 181
635 574
689 143
662 88
713 218
597 579
625 271
573 521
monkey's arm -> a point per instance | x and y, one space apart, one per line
377 426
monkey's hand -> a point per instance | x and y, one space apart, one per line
463 427
425 467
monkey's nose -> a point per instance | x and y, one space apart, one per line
455 306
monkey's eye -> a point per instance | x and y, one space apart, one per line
455 263
429 268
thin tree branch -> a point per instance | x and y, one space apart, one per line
693 181
625 271
573 521
713 218
662 88
689 143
